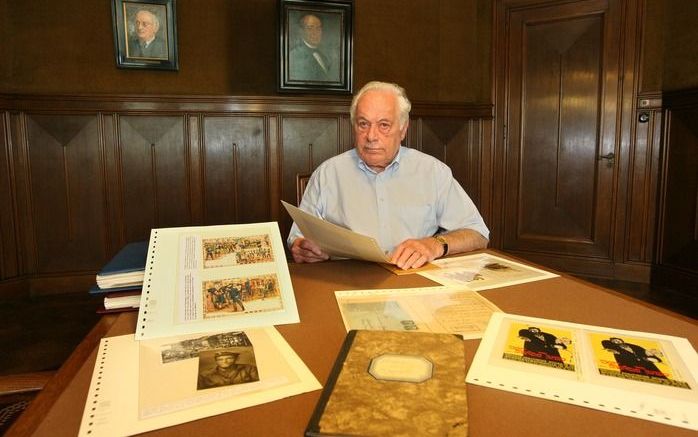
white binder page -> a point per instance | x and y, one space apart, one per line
137 387
212 278
637 374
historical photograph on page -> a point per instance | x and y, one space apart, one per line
244 295
234 251
483 271
230 366
634 358
185 349
430 309
215 278
540 345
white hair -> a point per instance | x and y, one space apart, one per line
153 15
403 103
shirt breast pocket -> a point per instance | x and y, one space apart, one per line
418 219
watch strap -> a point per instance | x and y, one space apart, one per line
443 242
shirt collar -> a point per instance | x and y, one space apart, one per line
147 43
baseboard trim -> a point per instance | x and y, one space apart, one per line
595 268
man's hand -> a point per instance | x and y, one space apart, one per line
306 251
411 254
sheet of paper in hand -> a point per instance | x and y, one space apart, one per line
336 240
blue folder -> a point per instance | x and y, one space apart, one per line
131 258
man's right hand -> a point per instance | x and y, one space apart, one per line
306 251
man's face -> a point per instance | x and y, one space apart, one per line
145 26
377 128
312 30
225 361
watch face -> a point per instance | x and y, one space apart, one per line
443 242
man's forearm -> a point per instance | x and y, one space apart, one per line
464 240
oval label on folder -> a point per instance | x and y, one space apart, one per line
405 368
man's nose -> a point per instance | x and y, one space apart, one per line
372 133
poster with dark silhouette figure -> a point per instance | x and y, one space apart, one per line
541 345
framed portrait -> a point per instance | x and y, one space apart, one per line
145 34
315 46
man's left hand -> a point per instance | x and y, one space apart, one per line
411 254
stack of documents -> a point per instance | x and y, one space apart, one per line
205 343
126 269
115 301
121 279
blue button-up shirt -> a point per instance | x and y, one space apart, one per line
414 197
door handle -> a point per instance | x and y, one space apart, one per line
611 157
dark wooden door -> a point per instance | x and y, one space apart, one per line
560 128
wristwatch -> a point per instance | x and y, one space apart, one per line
443 242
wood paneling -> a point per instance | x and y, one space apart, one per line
229 48
306 143
90 173
681 190
154 174
644 173
677 246
558 196
457 144
8 237
65 184
565 90
235 169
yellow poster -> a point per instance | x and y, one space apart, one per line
634 358
541 345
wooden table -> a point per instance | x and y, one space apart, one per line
57 410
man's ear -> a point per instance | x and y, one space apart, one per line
403 134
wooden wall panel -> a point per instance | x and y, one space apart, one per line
154 167
457 143
565 91
676 263
9 267
306 143
680 225
236 180
89 174
644 170
551 192
66 187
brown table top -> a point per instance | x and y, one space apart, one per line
318 337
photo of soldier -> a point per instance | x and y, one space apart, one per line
220 368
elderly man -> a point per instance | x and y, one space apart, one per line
146 43
407 200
